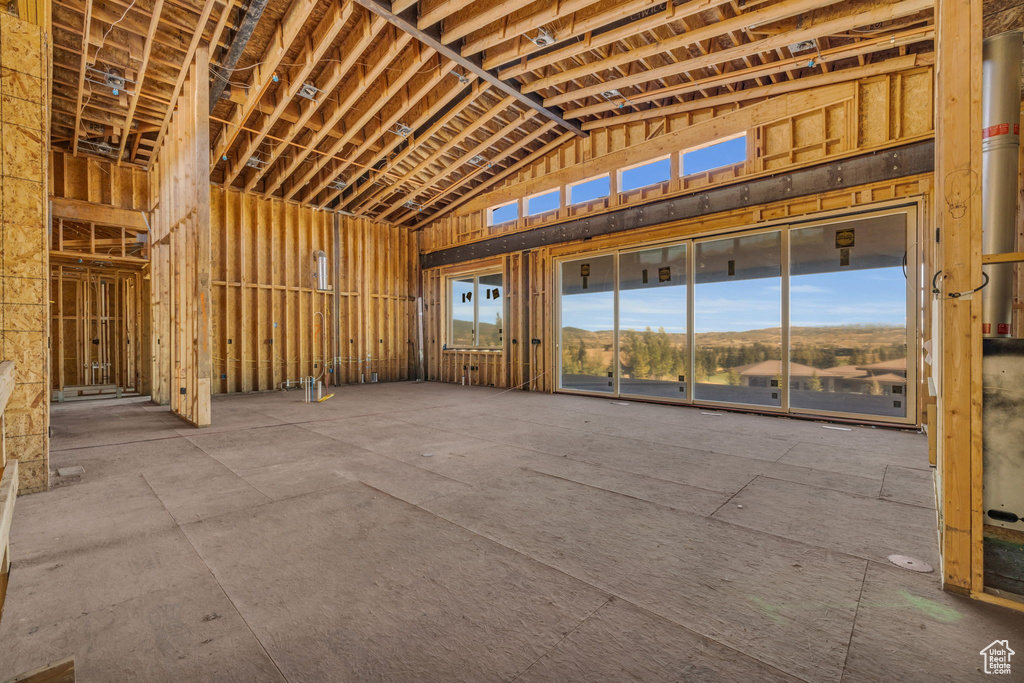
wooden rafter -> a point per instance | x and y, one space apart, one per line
503 133
264 72
311 55
383 95
433 39
400 108
836 25
344 59
573 27
498 158
189 55
820 59
81 72
504 173
140 80
379 59
445 100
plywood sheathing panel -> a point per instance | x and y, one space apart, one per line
24 261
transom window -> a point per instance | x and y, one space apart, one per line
505 213
588 190
544 202
643 175
476 311
716 155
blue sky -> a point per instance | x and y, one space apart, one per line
875 296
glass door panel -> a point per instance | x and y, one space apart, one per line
490 310
462 333
848 317
653 350
738 320
587 339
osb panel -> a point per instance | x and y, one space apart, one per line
98 181
24 258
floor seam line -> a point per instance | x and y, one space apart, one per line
213 575
563 638
853 626
606 591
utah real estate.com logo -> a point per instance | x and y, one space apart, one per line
997 657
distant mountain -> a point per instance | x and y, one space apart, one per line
836 335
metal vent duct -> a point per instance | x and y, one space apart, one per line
1000 145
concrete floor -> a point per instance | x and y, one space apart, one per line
547 538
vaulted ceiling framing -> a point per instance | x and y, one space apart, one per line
399 110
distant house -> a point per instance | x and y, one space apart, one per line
884 378
762 374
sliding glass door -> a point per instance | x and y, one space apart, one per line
810 318
738 320
653 347
848 317
588 324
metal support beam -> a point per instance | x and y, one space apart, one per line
431 37
241 39
901 162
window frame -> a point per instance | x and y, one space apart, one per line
696 148
450 326
542 193
496 207
648 162
569 186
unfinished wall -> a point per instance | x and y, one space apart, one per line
88 179
785 132
24 291
268 318
180 255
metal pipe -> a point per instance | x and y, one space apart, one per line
1000 120
320 271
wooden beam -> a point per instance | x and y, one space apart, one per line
386 149
263 73
452 143
189 55
379 60
548 13
750 94
312 53
384 127
792 64
886 12
432 38
81 74
502 155
140 78
479 149
383 95
87 212
958 319
504 173
431 15
345 58
517 50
